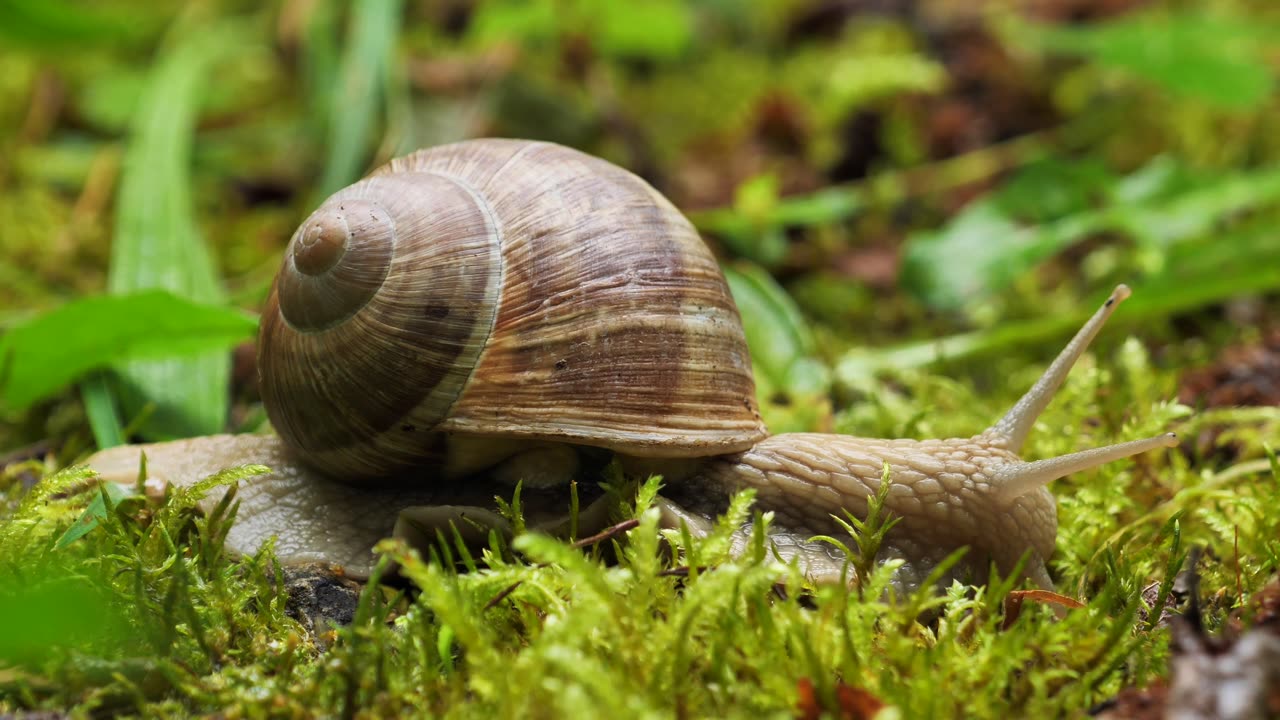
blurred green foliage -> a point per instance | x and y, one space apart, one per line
47 353
158 243
1052 205
796 135
1219 60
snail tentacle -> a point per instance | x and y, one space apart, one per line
1016 479
1014 427
964 492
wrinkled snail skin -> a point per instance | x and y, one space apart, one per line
974 493
312 518
499 310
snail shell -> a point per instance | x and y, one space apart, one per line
501 287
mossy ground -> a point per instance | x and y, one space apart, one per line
145 614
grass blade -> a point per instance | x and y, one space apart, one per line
157 243
61 24
1194 277
982 251
49 352
100 408
361 85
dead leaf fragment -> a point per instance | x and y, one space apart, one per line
1013 603
1240 375
852 703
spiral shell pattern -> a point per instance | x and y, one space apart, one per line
501 287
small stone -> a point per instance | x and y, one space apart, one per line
320 598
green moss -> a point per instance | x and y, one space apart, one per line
145 614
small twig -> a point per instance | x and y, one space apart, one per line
1239 579
1193 612
104 171
584 542
605 534
779 588
502 595
780 591
680 572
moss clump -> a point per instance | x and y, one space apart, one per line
145 614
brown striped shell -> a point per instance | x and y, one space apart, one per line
502 287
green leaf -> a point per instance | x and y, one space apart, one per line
158 245
48 24
49 352
1198 210
362 82
318 63
971 257
857 80
107 497
783 350
111 101
756 198
982 250
1053 187
521 21
100 408
753 227
1208 271
1217 60
654 29
48 611
822 207
775 329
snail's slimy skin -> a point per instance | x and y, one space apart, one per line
312 517
973 493
946 494
941 491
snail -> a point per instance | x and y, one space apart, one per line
494 311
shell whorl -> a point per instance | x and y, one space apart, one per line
527 291
386 298
336 263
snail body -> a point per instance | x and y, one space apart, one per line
506 309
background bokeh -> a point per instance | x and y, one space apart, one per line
871 172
